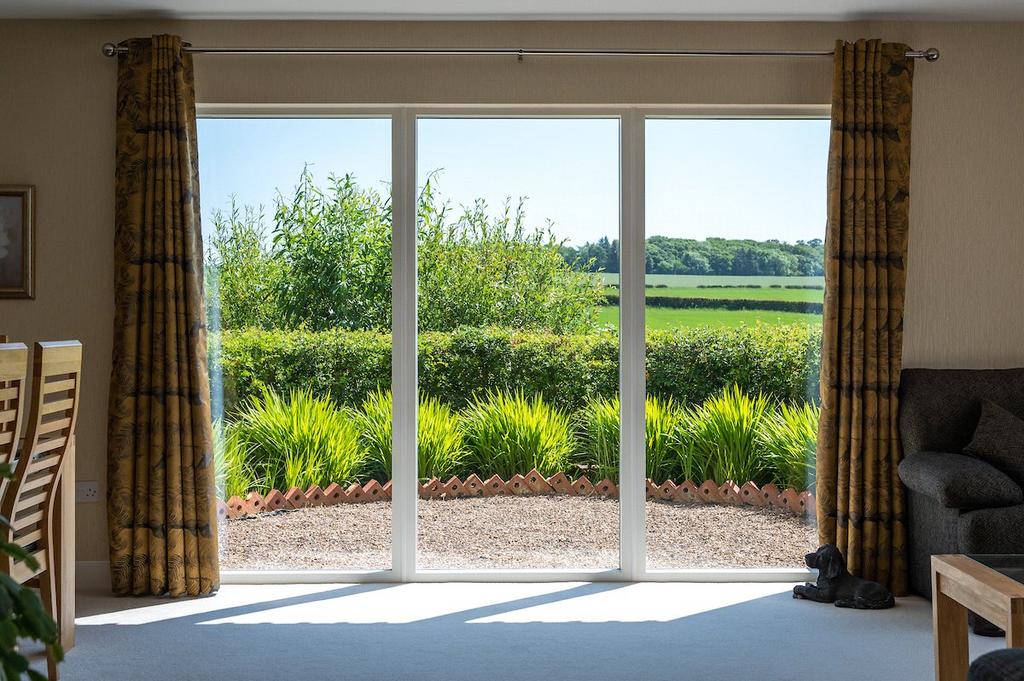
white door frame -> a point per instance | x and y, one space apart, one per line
632 388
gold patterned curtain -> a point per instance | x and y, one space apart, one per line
161 501
859 496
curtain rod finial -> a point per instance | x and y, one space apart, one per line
109 50
931 54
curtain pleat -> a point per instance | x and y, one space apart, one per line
161 500
860 499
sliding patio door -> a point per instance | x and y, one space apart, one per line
517 274
483 343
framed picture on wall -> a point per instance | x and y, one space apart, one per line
17 231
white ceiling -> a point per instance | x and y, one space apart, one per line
818 10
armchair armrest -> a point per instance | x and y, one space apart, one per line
959 481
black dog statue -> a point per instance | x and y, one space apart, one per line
836 584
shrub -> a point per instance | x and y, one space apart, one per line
441 448
781 362
789 438
509 433
599 437
299 442
346 365
724 435
688 365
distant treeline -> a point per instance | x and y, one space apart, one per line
680 303
722 257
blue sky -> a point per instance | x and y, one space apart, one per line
757 179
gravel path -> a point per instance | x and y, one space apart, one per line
517 532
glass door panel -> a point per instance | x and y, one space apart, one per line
297 228
518 343
735 219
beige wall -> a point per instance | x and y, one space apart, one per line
966 286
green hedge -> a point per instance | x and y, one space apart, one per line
679 302
688 364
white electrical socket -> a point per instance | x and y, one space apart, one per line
87 491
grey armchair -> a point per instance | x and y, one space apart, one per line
956 503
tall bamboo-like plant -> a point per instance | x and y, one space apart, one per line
490 269
334 247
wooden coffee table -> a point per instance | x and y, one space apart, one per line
991 586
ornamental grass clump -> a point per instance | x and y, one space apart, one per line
599 437
508 433
789 438
236 475
725 433
300 441
441 447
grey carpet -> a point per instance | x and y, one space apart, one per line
585 632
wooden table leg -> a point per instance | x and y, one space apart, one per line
1015 630
949 621
64 528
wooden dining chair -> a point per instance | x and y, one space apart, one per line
29 503
13 362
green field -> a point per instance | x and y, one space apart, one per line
686 286
669 318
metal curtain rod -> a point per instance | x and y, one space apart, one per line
112 50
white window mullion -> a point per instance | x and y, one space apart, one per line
404 490
632 348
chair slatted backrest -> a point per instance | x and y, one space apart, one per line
56 386
13 365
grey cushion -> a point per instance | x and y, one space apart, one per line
992 530
999 440
939 408
999 665
959 481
